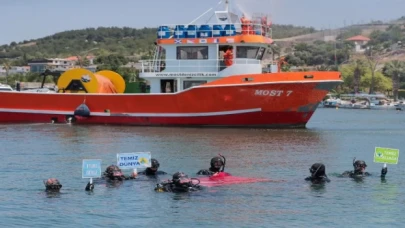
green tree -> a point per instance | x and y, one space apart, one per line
395 69
319 53
283 31
374 54
381 82
348 78
111 62
7 67
359 70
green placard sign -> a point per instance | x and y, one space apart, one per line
386 155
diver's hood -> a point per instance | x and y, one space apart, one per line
52 184
359 166
317 170
216 163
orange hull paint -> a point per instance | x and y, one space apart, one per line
262 100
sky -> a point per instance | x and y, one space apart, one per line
32 19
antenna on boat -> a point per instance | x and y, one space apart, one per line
219 3
226 5
226 2
199 16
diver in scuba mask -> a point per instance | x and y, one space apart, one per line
153 170
318 174
52 185
217 163
360 170
180 183
113 174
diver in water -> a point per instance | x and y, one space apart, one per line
217 163
360 170
52 185
179 183
153 170
318 174
112 174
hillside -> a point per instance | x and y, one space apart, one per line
138 43
365 29
340 33
125 41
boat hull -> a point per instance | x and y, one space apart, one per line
262 103
245 120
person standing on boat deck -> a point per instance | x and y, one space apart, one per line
244 24
318 174
153 170
360 170
228 56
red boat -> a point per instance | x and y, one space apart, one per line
201 75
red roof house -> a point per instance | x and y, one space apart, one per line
358 38
359 42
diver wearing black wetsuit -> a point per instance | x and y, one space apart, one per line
216 164
360 170
318 174
113 174
52 185
179 183
153 170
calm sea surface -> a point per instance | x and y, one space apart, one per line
32 153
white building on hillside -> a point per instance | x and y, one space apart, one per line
57 64
14 70
359 42
19 70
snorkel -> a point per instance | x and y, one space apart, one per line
318 170
223 167
354 160
313 174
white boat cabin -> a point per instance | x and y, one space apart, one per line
194 54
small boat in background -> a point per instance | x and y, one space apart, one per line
331 101
4 87
368 101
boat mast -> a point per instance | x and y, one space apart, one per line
227 5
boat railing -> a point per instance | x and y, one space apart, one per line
209 65
212 30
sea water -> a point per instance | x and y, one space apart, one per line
34 152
